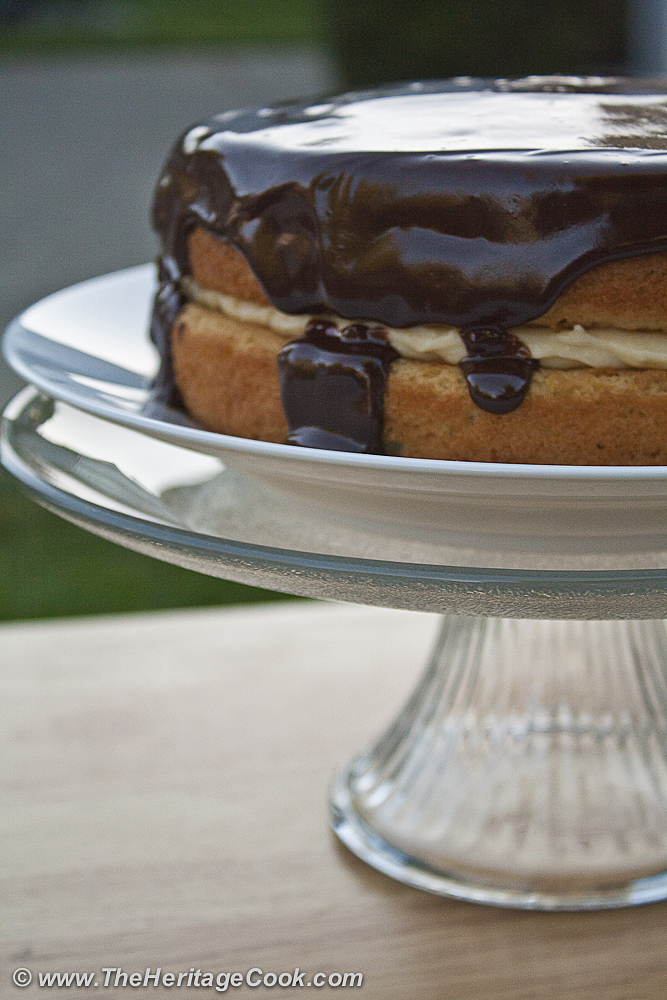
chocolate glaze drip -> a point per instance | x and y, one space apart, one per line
471 203
332 386
169 301
498 368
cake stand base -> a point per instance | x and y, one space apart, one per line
528 769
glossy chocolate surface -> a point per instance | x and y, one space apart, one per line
332 387
498 368
169 300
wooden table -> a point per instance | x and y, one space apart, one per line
165 783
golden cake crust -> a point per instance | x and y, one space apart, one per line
228 375
219 266
629 294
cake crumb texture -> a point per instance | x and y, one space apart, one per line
219 266
227 373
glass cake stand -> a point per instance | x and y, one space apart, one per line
529 767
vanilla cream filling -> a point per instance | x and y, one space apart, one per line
575 348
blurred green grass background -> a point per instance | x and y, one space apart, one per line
63 25
52 569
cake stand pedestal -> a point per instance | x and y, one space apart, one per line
528 768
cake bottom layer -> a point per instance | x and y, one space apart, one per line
228 376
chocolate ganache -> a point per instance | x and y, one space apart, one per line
469 203
346 368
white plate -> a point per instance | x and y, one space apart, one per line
88 346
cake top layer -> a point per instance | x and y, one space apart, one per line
465 202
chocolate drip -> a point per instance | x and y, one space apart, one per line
167 304
332 387
498 368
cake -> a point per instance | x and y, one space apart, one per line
468 270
